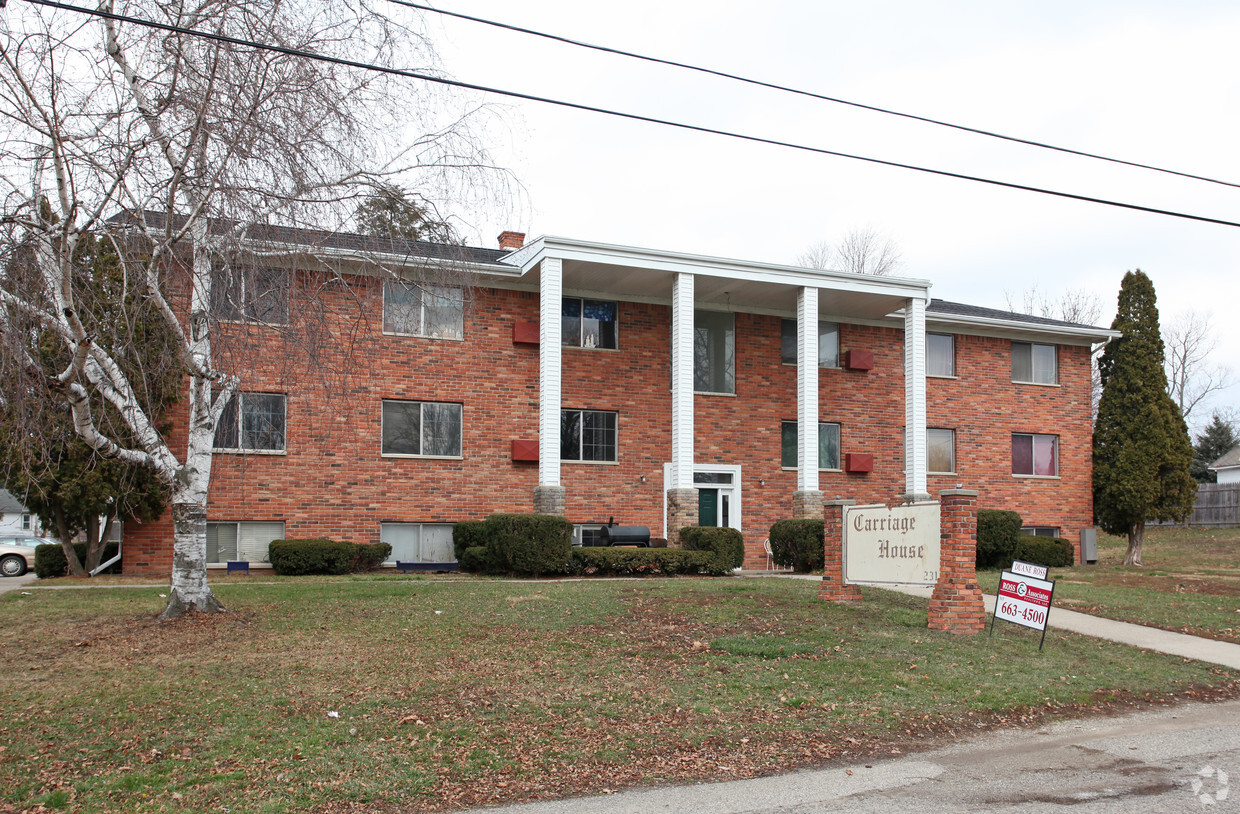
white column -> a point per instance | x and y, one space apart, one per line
915 461
807 390
682 382
550 353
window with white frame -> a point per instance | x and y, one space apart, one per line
588 435
714 352
25 522
412 308
828 445
1041 531
247 292
252 422
1035 454
828 343
588 323
588 534
940 355
241 540
940 451
423 428
418 542
1033 363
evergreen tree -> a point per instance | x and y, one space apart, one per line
391 211
1142 451
1215 441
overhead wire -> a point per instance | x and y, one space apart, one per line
800 92
224 38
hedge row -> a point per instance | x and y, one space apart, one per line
999 541
323 556
50 560
534 545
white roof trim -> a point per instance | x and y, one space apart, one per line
533 253
1009 325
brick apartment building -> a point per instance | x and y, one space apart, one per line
600 381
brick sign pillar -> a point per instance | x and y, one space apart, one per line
956 604
833 588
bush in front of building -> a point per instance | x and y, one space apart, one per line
797 544
1053 552
50 560
368 557
998 534
468 534
528 544
292 558
726 544
626 562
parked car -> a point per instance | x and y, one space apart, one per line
17 553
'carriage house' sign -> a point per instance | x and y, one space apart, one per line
891 545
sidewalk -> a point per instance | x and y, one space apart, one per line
1148 638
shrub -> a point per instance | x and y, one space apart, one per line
529 544
368 557
797 543
50 561
319 556
727 545
476 560
602 561
468 534
1053 552
998 533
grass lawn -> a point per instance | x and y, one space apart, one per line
449 693
1190 582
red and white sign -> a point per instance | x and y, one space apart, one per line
1024 600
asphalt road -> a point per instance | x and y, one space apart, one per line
1179 759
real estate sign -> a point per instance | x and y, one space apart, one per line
891 545
1024 600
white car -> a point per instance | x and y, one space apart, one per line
17 553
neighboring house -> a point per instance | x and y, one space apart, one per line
1228 466
661 389
14 518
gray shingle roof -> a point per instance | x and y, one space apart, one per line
960 309
10 504
342 241
1230 458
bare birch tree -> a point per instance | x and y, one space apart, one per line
178 150
861 251
1191 376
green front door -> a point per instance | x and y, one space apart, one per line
708 507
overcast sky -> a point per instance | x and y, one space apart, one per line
1151 82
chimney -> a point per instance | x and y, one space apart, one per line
511 240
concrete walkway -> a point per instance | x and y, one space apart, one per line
1148 638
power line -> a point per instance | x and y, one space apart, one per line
785 89
615 113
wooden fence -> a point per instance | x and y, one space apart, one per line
1218 504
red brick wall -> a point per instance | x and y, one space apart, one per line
333 482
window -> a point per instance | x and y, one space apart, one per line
418 542
940 355
1034 364
1041 531
241 541
941 451
714 352
828 445
1035 455
828 343
248 292
588 534
426 428
588 323
413 309
25 522
252 422
587 435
